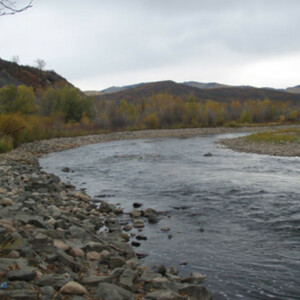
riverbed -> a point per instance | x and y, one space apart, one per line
232 216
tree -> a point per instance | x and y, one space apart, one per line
9 7
40 64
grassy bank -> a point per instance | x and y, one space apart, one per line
282 136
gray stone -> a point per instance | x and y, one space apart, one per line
116 262
78 232
19 294
112 292
54 280
165 295
22 274
67 260
126 279
47 291
95 280
196 292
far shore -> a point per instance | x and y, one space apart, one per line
39 148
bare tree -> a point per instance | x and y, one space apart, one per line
9 7
15 59
40 64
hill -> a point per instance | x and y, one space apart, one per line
294 90
12 73
220 94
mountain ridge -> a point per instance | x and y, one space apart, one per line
221 94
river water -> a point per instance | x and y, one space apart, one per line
234 217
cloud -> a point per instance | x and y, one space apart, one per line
117 39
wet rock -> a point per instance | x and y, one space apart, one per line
208 154
125 236
165 229
194 278
141 238
136 213
112 292
66 170
135 244
127 227
196 292
137 204
73 288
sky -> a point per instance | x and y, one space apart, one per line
96 44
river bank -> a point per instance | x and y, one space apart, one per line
53 245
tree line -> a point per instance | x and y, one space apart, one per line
66 111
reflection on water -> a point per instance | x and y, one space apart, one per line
234 217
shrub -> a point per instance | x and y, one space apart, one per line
6 143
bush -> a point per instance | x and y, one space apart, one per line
6 143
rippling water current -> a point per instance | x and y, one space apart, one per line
234 217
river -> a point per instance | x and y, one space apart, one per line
234 217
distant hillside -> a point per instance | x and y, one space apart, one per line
185 91
12 73
294 90
210 85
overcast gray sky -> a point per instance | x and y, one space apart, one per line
99 43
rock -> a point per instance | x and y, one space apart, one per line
67 260
196 292
73 288
135 244
47 291
136 213
126 279
165 229
93 255
6 202
21 294
66 170
125 236
165 295
54 280
161 269
21 275
61 245
76 252
95 280
95 246
13 254
137 204
127 227
78 232
112 292
141 238
116 262
54 211
208 154
194 278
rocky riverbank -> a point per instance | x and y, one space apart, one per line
53 245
